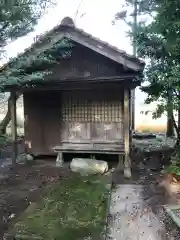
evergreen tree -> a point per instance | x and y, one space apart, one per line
137 22
159 42
134 13
17 18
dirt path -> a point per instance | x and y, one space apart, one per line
20 187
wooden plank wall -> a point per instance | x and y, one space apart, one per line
86 63
42 121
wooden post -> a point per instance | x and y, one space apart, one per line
127 161
13 127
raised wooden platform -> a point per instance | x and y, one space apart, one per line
105 148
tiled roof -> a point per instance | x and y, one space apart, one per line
67 24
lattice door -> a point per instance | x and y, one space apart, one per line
75 117
106 112
91 115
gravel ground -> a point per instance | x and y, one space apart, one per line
137 211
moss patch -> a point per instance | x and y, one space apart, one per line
74 208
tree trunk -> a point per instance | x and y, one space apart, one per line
4 123
177 128
170 129
178 123
170 124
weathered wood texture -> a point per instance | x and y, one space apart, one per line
86 63
42 121
105 148
92 116
127 122
74 118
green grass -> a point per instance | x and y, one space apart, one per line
71 209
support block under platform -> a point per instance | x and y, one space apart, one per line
59 160
120 166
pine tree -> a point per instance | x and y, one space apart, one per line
27 69
17 18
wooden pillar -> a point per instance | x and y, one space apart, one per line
13 127
127 161
132 109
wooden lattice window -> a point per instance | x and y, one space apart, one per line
106 111
75 108
87 107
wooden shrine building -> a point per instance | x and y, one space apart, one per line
83 106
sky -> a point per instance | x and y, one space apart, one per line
96 20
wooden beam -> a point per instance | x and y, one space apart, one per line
128 80
13 127
69 86
127 161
